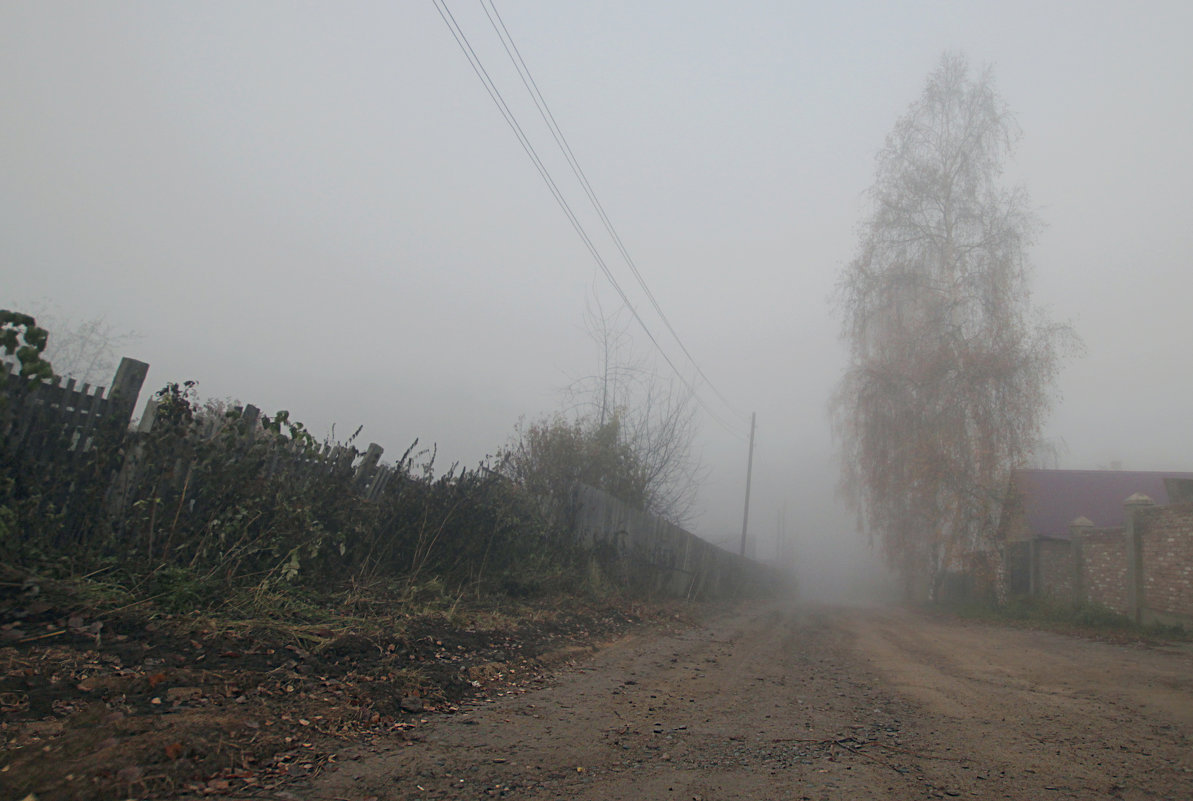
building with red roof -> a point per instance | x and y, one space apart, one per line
1042 504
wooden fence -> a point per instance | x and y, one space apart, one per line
653 557
243 495
295 459
51 421
70 446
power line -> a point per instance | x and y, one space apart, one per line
511 120
540 102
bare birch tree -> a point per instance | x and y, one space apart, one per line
950 369
626 430
656 417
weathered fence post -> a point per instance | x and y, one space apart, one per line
368 465
126 387
248 419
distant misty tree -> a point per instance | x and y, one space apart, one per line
86 350
655 417
551 456
625 430
950 369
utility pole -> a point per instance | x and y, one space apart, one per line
782 547
745 521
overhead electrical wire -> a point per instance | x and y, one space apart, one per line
540 102
511 120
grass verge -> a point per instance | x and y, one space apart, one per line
1082 619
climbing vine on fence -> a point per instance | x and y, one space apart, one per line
22 338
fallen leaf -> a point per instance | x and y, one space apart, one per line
130 774
173 751
183 693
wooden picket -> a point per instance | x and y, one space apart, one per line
48 426
50 421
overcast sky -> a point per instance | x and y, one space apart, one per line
317 207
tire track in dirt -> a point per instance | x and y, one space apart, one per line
1049 715
759 702
814 704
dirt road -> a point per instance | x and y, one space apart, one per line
763 703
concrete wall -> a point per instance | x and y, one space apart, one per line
654 557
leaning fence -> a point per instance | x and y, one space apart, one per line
228 498
44 421
69 450
652 556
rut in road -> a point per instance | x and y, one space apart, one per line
798 703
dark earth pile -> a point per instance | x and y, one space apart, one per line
99 702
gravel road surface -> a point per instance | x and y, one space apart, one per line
774 702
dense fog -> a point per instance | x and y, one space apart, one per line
320 209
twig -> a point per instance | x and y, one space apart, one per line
130 606
42 636
842 744
890 747
851 749
96 572
177 512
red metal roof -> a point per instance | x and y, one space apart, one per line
1052 499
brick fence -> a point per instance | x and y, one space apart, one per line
1054 568
1143 570
1166 556
1104 575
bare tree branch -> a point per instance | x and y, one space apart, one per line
625 430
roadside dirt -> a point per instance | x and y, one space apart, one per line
815 704
98 705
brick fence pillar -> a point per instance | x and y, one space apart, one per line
1135 598
1033 567
1077 531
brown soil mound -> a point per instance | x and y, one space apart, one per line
102 703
